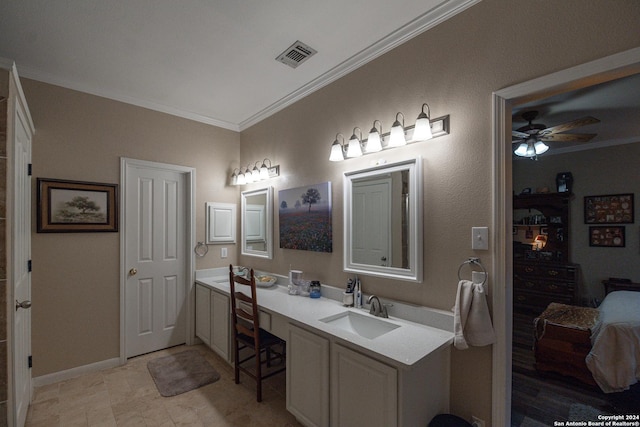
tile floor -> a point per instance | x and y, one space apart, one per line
127 396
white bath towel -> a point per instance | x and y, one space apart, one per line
472 322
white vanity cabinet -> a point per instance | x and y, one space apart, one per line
203 313
220 325
213 320
308 377
363 389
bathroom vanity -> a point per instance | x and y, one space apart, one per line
344 366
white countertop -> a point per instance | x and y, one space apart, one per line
405 345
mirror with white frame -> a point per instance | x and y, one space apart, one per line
257 222
383 221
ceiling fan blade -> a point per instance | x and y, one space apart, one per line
519 134
566 137
569 125
517 141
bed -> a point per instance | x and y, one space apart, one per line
597 346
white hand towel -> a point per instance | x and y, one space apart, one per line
472 322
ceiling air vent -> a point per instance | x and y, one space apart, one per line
296 54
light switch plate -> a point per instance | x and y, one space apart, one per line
480 238
223 252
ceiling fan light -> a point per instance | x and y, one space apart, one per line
531 150
521 150
540 147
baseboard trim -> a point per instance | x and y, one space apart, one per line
75 372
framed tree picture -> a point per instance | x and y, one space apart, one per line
76 207
305 218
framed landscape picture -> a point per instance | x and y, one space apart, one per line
76 207
305 218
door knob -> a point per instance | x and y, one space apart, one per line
133 272
23 304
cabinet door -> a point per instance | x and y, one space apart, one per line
308 377
203 314
364 391
220 321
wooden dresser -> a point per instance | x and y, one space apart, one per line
537 283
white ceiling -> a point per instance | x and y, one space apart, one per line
207 60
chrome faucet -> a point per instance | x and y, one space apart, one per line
377 308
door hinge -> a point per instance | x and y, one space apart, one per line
29 168
29 265
30 361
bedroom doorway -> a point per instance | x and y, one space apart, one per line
606 69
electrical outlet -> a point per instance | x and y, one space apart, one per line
476 422
223 252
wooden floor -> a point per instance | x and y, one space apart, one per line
539 400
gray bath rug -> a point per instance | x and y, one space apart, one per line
181 372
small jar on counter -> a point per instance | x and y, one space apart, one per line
314 289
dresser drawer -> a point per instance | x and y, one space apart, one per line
546 270
537 302
552 287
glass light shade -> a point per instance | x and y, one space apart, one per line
521 150
422 131
540 147
337 155
234 179
374 143
264 172
255 173
354 149
248 176
396 138
241 179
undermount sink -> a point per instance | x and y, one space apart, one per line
360 324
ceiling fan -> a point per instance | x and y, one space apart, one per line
532 137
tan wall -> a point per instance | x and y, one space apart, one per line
75 282
454 67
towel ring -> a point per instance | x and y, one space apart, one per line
201 249
477 262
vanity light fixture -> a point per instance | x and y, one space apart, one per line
256 173
354 149
425 128
397 139
374 142
422 131
337 149
248 176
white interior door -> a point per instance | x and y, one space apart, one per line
156 228
371 229
19 216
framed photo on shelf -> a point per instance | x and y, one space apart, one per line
609 237
609 209
76 207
